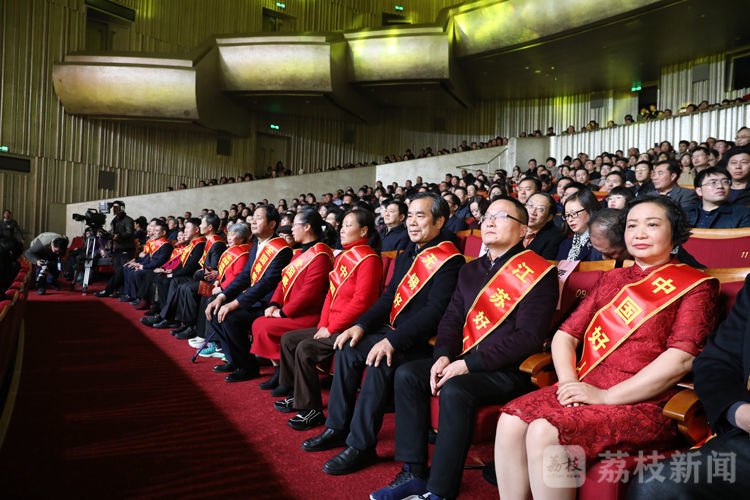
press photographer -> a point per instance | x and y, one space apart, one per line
44 254
123 235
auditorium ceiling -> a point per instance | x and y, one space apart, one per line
483 50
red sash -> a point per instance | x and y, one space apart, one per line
209 243
175 258
300 262
422 269
155 245
346 263
189 248
147 248
264 258
502 294
229 257
631 307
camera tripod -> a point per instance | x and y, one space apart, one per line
88 262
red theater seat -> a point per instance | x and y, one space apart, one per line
715 248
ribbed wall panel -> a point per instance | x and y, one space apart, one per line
677 90
719 123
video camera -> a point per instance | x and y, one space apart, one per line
95 218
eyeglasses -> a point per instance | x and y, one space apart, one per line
497 217
642 169
535 208
715 182
574 215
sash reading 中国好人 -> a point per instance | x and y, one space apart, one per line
346 264
155 245
631 307
189 248
230 256
299 263
209 243
501 295
264 258
424 267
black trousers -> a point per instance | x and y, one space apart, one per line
129 286
459 398
201 323
187 302
117 279
300 353
718 469
234 336
364 419
167 289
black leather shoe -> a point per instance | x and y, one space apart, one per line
285 405
101 293
350 460
306 420
282 391
241 375
151 320
135 302
41 291
224 368
124 298
272 382
187 334
165 324
154 311
179 330
330 438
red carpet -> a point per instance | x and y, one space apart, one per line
110 408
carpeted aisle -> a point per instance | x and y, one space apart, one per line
110 408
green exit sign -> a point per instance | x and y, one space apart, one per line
274 126
398 7
636 87
281 5
4 149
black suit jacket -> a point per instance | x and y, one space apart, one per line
721 371
418 320
159 258
547 241
263 289
192 263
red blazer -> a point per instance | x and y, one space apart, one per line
308 291
355 296
234 269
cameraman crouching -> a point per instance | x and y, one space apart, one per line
44 253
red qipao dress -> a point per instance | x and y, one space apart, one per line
685 324
301 306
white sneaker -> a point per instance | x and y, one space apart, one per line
196 342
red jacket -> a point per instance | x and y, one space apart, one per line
355 295
308 292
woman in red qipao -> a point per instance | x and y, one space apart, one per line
641 327
354 287
299 297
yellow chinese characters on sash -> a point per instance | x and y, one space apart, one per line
189 248
424 267
147 248
264 258
299 263
345 265
631 307
230 256
209 243
501 295
155 245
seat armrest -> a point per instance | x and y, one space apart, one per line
687 410
541 369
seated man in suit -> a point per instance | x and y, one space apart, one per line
394 235
542 235
454 223
156 253
504 301
664 176
714 210
394 330
720 374
232 312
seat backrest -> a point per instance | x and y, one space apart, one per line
473 246
732 281
720 248
577 286
388 259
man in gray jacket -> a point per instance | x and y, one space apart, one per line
44 253
664 176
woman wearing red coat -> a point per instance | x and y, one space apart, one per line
299 297
354 286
